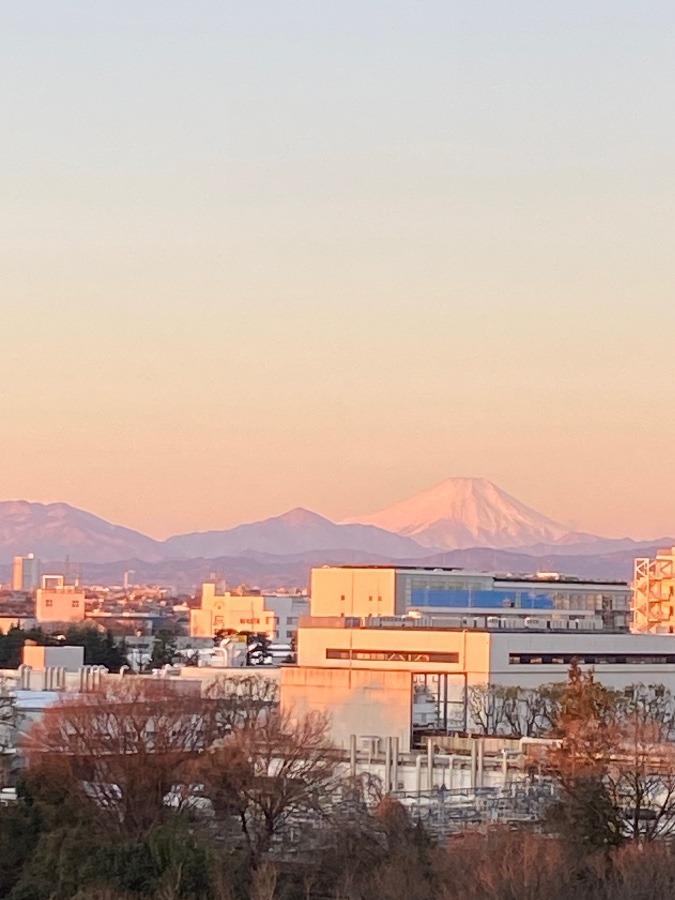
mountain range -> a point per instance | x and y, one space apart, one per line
462 521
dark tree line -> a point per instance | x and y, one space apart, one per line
147 789
100 648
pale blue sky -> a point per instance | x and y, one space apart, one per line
258 255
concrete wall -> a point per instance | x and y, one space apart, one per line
416 646
339 591
362 702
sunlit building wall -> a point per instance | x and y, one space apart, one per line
654 593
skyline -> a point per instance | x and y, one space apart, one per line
263 256
365 517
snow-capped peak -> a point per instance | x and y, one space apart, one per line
467 512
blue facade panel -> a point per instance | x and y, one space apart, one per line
481 599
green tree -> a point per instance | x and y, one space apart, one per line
163 649
100 648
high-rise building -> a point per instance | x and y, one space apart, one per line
25 573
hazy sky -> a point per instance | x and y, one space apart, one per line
257 255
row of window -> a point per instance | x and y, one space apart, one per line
393 656
49 601
592 659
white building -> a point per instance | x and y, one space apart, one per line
287 610
381 676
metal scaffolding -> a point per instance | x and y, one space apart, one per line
654 594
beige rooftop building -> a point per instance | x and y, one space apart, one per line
57 602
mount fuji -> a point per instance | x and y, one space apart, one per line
472 512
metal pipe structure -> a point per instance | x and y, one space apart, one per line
394 767
387 765
480 762
24 677
430 764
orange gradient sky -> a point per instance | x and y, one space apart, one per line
263 255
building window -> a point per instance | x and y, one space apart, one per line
393 656
75 604
592 659
342 597
49 602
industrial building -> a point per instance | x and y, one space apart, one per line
406 677
402 590
395 651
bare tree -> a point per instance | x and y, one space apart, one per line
486 708
512 711
240 702
641 770
283 769
9 720
125 747
652 703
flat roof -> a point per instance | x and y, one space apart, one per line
528 578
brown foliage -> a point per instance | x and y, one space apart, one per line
282 768
124 747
